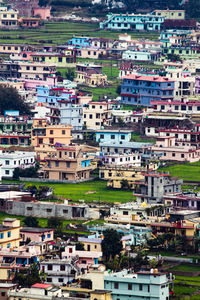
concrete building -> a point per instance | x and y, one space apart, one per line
44 136
133 22
59 59
68 163
112 135
91 244
38 290
137 55
59 271
37 234
4 288
15 159
10 233
155 186
152 285
8 17
45 209
141 89
97 114
170 14
90 75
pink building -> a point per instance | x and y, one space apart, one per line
166 145
43 12
30 22
85 258
37 234
50 81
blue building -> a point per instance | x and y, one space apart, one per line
62 105
127 21
113 136
136 286
80 41
141 89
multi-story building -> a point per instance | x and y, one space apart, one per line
141 89
15 130
90 75
59 59
68 163
137 55
37 234
58 271
127 21
97 114
10 160
10 233
45 136
152 285
8 17
155 186
171 151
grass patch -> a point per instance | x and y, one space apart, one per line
186 268
99 93
180 291
135 136
186 171
49 34
79 191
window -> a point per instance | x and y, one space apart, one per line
68 164
40 141
90 116
173 154
49 279
34 68
125 213
29 208
7 172
51 141
3 294
112 136
65 211
101 136
182 155
122 137
57 163
1 235
60 279
62 267
48 235
49 210
49 268
7 162
129 286
51 131
8 245
63 131
27 68
116 285
9 234
140 287
83 262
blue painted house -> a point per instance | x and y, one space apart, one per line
113 136
141 89
80 41
127 21
52 95
151 285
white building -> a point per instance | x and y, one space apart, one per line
15 159
132 159
58 271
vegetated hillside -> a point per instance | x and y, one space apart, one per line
99 8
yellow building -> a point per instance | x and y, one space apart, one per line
91 244
10 233
116 174
8 17
170 14
45 136
97 114
60 60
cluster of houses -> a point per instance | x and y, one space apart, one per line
154 120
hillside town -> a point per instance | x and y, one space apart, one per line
99 150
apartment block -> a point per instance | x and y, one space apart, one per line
10 233
142 89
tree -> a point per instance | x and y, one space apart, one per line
11 100
31 221
125 184
28 277
56 224
193 8
80 246
173 57
27 172
111 244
